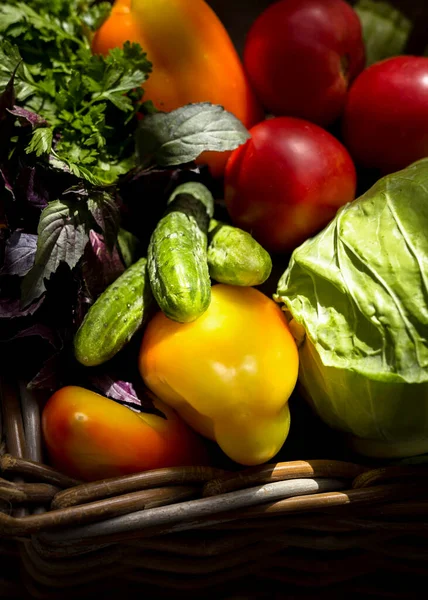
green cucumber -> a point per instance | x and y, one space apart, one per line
234 256
115 317
177 254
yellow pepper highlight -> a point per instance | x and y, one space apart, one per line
229 374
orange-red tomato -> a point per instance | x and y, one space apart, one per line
302 55
287 182
385 123
193 58
91 437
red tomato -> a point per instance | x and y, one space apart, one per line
287 182
301 56
385 123
91 437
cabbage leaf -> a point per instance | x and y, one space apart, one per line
356 297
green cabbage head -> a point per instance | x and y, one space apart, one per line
356 297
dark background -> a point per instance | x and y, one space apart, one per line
238 15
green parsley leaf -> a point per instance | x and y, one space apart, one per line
41 141
91 102
11 63
96 14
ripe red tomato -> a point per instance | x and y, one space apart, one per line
301 56
91 437
287 182
385 124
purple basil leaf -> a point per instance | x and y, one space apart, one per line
19 254
4 201
6 182
32 189
106 212
78 190
100 267
7 101
117 390
25 350
27 117
39 330
82 304
24 357
48 378
10 308
134 395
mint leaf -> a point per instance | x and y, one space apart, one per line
182 135
63 235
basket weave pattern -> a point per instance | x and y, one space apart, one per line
313 528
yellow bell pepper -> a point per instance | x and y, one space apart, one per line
229 374
193 57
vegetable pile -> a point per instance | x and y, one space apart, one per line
180 235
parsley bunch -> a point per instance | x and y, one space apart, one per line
88 105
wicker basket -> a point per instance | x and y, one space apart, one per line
297 529
311 528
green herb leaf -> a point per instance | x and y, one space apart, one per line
11 63
106 213
81 96
129 247
41 142
96 14
182 135
385 29
62 237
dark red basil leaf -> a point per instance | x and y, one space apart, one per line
19 254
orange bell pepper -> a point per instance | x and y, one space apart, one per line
193 57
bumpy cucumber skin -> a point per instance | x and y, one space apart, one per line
234 256
177 254
115 317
